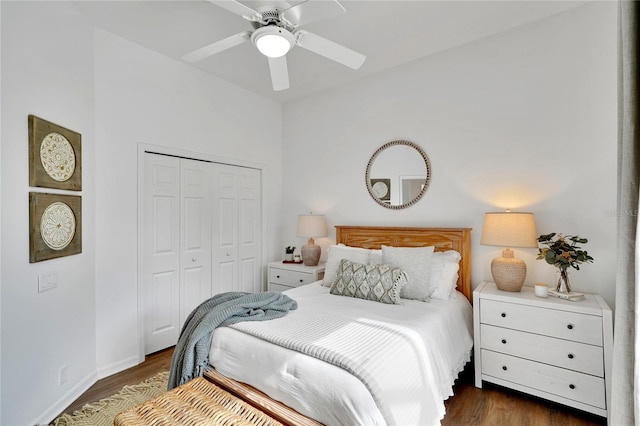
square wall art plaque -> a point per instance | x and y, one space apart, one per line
55 223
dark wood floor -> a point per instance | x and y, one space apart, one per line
470 406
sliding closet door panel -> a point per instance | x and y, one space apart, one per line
225 229
195 232
201 236
161 262
249 245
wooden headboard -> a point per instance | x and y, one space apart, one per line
373 237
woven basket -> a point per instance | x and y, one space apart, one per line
196 403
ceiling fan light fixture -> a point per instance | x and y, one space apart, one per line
273 41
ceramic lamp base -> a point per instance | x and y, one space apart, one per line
508 271
311 253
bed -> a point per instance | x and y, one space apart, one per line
346 360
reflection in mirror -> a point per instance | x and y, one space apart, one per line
398 174
411 187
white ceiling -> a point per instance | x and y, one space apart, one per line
390 33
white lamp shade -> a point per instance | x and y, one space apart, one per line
509 229
273 41
311 226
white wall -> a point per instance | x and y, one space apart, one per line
524 120
145 98
47 70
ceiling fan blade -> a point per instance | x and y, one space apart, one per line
311 11
238 8
217 47
279 73
329 49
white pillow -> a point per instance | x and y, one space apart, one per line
335 254
444 273
415 262
375 257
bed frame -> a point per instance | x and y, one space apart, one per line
373 237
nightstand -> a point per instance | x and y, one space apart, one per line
551 348
285 276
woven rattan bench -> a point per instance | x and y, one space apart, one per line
196 403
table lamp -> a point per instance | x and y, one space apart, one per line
509 229
311 226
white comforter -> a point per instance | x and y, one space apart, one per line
332 395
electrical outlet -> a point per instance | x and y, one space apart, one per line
63 373
47 281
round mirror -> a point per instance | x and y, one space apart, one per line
398 174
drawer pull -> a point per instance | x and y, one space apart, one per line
277 276
572 386
504 341
570 326
570 356
301 280
504 367
503 315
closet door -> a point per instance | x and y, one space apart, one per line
249 230
236 219
195 235
161 262
224 218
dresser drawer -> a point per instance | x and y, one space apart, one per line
576 386
289 278
279 287
575 356
550 322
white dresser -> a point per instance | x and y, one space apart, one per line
284 276
551 348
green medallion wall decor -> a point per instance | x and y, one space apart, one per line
55 223
55 156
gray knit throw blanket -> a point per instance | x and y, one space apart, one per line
191 355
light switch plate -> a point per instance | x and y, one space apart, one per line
47 281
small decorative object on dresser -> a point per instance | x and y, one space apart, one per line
288 253
563 252
550 348
285 276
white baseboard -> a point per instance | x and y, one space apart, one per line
81 387
67 399
117 367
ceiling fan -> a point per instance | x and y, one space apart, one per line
276 31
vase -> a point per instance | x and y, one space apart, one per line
563 282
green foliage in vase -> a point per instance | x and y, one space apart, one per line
563 251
